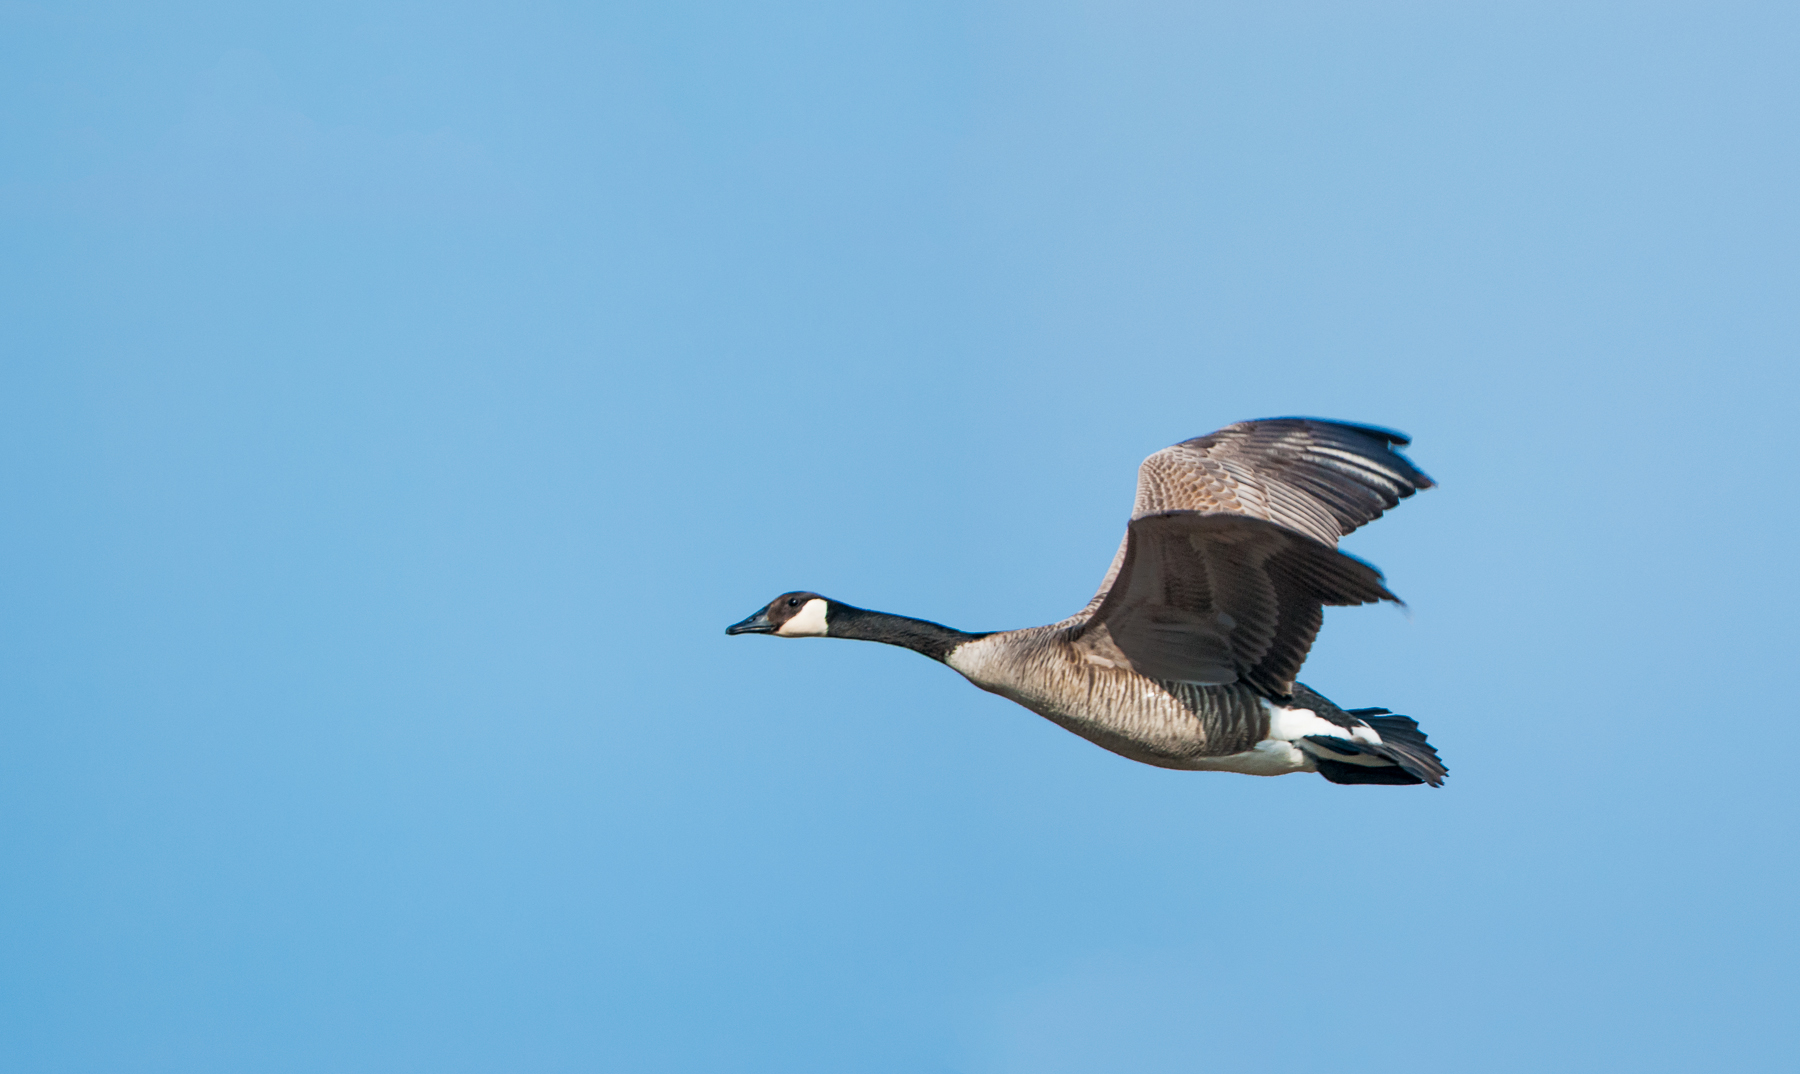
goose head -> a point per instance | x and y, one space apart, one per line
791 615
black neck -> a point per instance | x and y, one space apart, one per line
921 636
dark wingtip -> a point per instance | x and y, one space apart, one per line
1381 432
1392 439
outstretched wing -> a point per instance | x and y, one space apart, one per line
1320 478
1210 597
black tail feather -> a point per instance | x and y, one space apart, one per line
1341 772
1410 758
1407 747
1402 744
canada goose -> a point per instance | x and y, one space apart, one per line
1186 657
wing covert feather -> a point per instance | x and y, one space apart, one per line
1214 597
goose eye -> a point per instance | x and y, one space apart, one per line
793 602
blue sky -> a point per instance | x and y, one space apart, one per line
399 400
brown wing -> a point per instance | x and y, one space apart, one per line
1320 478
1210 597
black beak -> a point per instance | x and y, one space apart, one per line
756 624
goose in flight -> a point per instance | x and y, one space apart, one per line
1187 656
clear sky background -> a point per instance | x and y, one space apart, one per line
398 399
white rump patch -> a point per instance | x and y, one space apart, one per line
808 622
1291 725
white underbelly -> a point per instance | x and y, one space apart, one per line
1270 757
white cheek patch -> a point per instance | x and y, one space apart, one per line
808 622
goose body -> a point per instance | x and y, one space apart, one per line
1186 657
